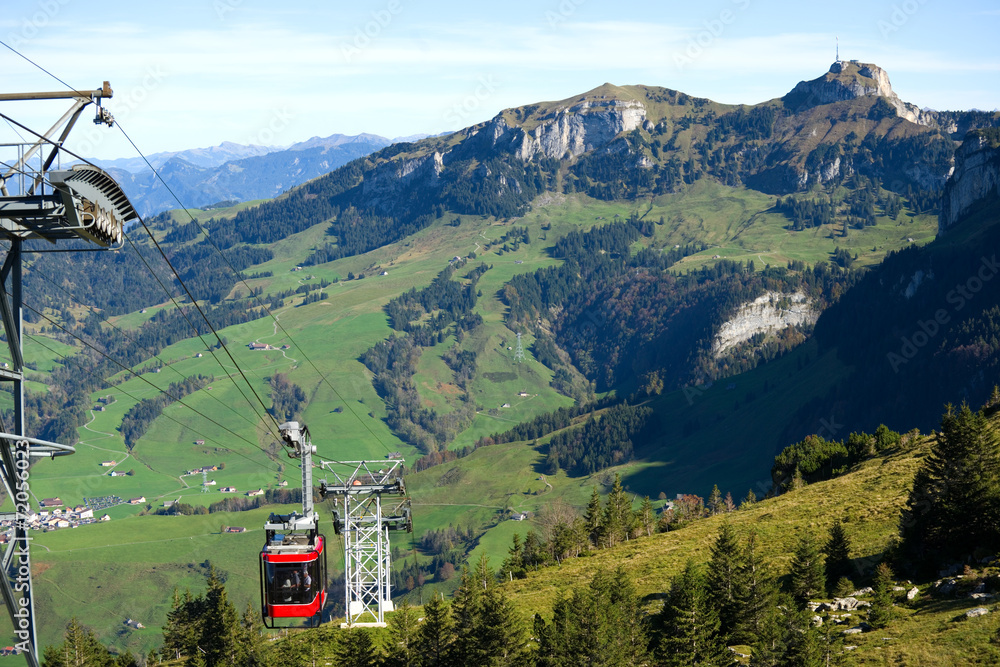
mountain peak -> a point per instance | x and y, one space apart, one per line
849 80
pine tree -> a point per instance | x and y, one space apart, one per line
250 643
954 506
646 516
80 648
220 628
690 626
757 595
723 578
802 640
436 635
488 630
715 500
356 647
750 499
592 518
618 517
513 565
838 555
808 578
881 611
402 623
180 634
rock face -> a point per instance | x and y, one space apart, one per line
765 314
567 132
582 128
976 178
851 80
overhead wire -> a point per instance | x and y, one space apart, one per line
139 376
180 281
38 340
123 334
239 276
241 279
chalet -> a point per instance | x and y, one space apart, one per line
523 394
199 355
258 492
79 508
118 473
385 273
108 464
9 650
169 503
393 456
283 483
210 482
235 529
134 624
258 346
105 518
505 405
199 442
50 502
228 489
137 501
85 514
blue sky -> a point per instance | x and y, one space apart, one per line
195 73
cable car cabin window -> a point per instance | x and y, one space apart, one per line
293 583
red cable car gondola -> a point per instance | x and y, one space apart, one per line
293 560
293 576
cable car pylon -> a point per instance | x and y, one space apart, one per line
365 519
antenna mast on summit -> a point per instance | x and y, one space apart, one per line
37 203
838 48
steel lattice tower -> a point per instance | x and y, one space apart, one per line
81 203
364 521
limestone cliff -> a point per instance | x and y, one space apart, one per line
976 177
766 314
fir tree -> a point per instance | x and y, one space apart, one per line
715 505
219 626
401 649
80 648
881 611
954 506
808 578
723 578
436 635
356 647
488 630
690 626
592 518
838 555
513 565
646 516
749 500
756 597
618 518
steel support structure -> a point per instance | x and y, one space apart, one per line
364 521
83 203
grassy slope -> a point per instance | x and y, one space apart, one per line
868 500
333 333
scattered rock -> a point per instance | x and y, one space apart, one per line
981 596
813 606
850 648
978 611
912 593
817 621
898 589
856 630
867 590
